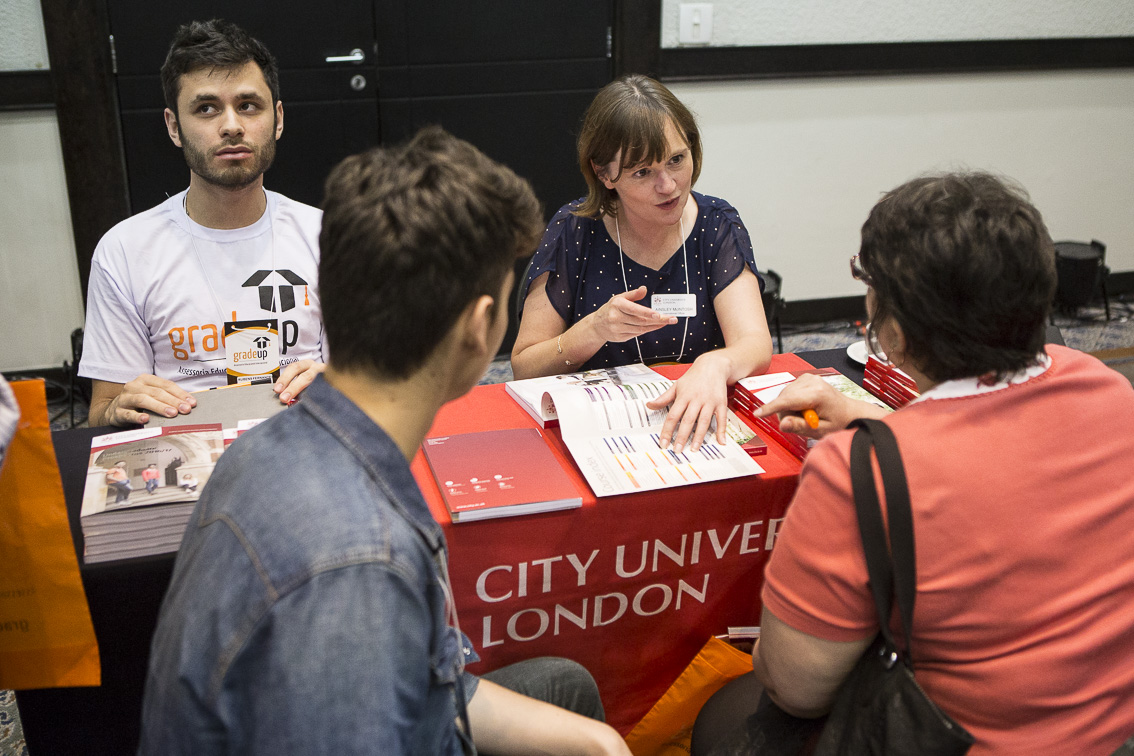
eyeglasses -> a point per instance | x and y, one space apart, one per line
858 273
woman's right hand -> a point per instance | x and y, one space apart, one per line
546 345
809 391
622 318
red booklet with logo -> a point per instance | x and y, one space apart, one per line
498 473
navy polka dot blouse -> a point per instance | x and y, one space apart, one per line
582 261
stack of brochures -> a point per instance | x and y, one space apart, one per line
755 391
888 383
616 439
142 486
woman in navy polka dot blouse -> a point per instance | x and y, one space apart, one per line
644 269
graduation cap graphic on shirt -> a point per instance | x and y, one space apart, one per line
268 291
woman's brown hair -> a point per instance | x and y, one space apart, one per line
629 116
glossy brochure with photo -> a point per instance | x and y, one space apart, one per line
141 487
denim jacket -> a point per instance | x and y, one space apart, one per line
306 614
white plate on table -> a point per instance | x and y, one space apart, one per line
859 352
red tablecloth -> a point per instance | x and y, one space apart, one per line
629 586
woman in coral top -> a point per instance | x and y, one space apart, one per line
1018 459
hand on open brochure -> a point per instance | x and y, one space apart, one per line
835 409
296 377
695 399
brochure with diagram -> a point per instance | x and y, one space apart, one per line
616 441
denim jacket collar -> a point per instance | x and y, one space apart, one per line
370 444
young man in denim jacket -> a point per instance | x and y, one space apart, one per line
309 610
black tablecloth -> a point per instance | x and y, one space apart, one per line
838 359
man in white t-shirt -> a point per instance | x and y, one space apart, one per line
165 283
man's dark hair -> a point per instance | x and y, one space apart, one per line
411 235
214 44
964 264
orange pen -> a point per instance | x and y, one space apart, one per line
812 418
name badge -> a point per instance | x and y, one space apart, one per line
678 305
252 351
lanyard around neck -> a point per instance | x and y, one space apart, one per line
626 285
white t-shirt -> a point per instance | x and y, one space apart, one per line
162 287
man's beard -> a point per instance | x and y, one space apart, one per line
231 176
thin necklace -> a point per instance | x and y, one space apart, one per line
625 285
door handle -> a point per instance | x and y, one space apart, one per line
356 56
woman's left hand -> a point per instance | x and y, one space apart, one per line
695 399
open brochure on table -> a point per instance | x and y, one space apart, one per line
533 394
765 388
615 440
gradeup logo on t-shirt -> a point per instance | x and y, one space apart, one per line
284 292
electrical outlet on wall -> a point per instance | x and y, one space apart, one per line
696 25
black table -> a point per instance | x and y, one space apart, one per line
837 359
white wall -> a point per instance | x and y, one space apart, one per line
824 22
803 160
40 298
23 46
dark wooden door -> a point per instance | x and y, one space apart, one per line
330 108
513 77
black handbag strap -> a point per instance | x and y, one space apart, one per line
892 566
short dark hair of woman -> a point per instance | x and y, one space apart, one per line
411 235
630 115
214 44
964 264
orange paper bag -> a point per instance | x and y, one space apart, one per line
667 727
46 636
